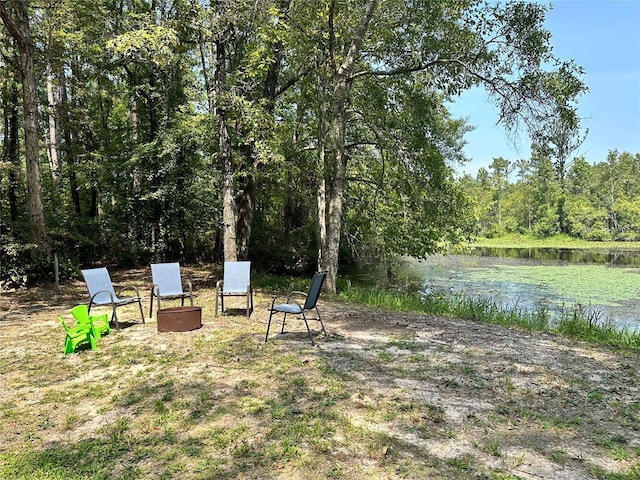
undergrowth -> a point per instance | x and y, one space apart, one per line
575 322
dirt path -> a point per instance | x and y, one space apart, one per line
559 398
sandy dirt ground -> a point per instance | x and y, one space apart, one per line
535 406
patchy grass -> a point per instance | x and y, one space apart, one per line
577 322
555 241
385 395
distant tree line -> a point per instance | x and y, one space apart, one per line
300 135
597 202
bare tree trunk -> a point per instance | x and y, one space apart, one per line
229 207
338 160
321 185
53 144
321 202
69 145
21 32
246 207
337 185
11 145
229 210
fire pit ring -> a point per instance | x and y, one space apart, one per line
179 319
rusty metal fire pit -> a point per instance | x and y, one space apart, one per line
179 319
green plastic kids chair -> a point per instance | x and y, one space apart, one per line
76 336
99 323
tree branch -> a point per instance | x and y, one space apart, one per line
12 27
397 71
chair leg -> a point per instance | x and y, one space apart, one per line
324 332
114 318
220 297
151 306
283 320
304 317
68 345
141 312
266 337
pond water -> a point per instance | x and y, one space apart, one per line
619 257
606 284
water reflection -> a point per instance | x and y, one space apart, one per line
570 255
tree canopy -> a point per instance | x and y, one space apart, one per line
296 134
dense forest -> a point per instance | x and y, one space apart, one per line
295 134
599 202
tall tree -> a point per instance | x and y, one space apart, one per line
241 50
501 168
15 17
559 142
10 144
331 219
445 47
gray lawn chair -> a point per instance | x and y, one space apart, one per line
167 284
236 282
293 307
102 293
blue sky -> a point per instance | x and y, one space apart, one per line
603 36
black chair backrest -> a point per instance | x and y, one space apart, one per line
314 291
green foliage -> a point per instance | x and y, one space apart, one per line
600 202
24 264
546 221
137 93
556 241
151 44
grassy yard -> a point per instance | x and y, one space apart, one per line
556 241
386 395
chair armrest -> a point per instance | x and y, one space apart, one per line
295 293
155 290
79 329
287 301
282 299
189 287
130 287
98 293
273 302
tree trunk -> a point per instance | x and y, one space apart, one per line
321 202
11 145
21 33
53 144
321 184
69 145
246 207
229 212
337 185
32 152
229 207
338 159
